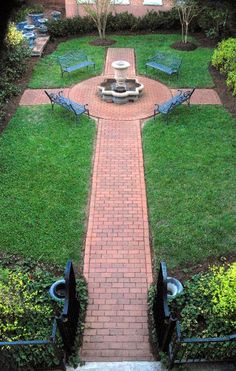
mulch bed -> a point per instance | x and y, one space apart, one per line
228 100
186 272
186 47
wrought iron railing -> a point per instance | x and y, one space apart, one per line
186 350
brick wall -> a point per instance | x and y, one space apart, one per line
135 6
49 3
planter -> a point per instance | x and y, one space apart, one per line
20 26
30 37
174 287
57 290
56 15
29 28
34 18
42 26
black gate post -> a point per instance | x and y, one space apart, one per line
68 320
164 323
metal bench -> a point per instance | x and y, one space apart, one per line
164 62
76 108
181 97
74 61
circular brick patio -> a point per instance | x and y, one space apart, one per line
87 92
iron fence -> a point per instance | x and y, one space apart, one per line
182 350
68 320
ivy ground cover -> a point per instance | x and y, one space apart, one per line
193 73
190 177
45 173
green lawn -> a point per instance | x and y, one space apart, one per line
45 162
191 178
193 73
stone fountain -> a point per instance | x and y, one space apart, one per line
120 90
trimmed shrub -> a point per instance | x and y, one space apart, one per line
224 59
224 55
115 23
121 22
207 306
26 313
12 66
70 26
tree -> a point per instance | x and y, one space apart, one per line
98 10
187 10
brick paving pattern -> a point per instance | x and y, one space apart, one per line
87 92
32 97
117 255
202 96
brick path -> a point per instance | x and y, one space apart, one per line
85 92
117 255
117 261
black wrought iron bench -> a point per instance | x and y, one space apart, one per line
58 98
74 61
181 97
164 62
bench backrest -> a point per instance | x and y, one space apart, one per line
167 60
58 98
72 58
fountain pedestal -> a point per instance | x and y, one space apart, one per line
120 90
120 68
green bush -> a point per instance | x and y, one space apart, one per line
13 64
207 307
20 15
121 22
224 59
116 22
216 19
70 26
26 313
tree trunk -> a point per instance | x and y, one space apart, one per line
182 30
186 33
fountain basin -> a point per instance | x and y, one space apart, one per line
111 91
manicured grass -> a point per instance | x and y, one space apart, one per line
194 68
193 73
190 177
45 164
47 73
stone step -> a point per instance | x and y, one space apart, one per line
119 366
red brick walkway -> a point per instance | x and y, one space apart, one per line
85 92
117 255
